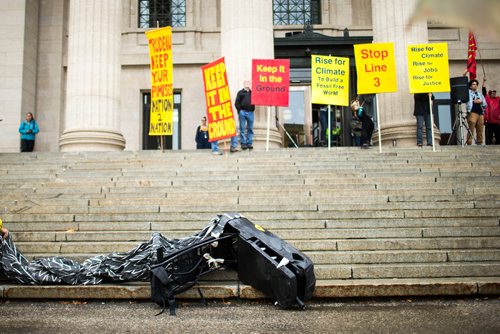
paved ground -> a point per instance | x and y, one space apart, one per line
347 316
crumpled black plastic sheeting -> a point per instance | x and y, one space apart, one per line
114 267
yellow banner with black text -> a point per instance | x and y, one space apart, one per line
162 93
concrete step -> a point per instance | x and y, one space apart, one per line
398 244
93 246
403 256
408 270
359 257
243 196
233 204
466 286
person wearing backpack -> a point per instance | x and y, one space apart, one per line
364 111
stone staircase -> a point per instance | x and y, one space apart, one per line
398 223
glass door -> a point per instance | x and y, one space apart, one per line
297 118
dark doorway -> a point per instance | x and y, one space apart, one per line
153 142
445 113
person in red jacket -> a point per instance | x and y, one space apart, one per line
492 116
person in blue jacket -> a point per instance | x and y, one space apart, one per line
28 129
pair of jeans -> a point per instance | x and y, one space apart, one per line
421 119
215 144
476 124
246 127
27 145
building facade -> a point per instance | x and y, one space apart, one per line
82 66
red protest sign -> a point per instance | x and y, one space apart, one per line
221 122
270 82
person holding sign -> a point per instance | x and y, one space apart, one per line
422 111
245 109
475 110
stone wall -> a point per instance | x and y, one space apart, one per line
33 44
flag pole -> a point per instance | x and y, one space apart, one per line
378 127
268 127
328 127
432 122
479 52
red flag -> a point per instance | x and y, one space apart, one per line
471 56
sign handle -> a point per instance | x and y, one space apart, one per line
378 126
268 126
328 127
432 122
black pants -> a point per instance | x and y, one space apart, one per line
27 145
492 129
366 129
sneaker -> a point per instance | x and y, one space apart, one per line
234 149
365 146
250 147
217 153
419 145
244 146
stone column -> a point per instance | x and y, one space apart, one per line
93 79
390 24
246 34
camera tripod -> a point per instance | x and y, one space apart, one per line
459 126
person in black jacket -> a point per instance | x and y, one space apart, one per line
422 112
362 107
202 135
245 109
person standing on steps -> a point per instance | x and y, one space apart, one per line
233 147
246 110
28 129
201 137
475 112
362 106
492 115
422 112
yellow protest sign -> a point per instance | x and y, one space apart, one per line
428 68
376 68
330 80
162 93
